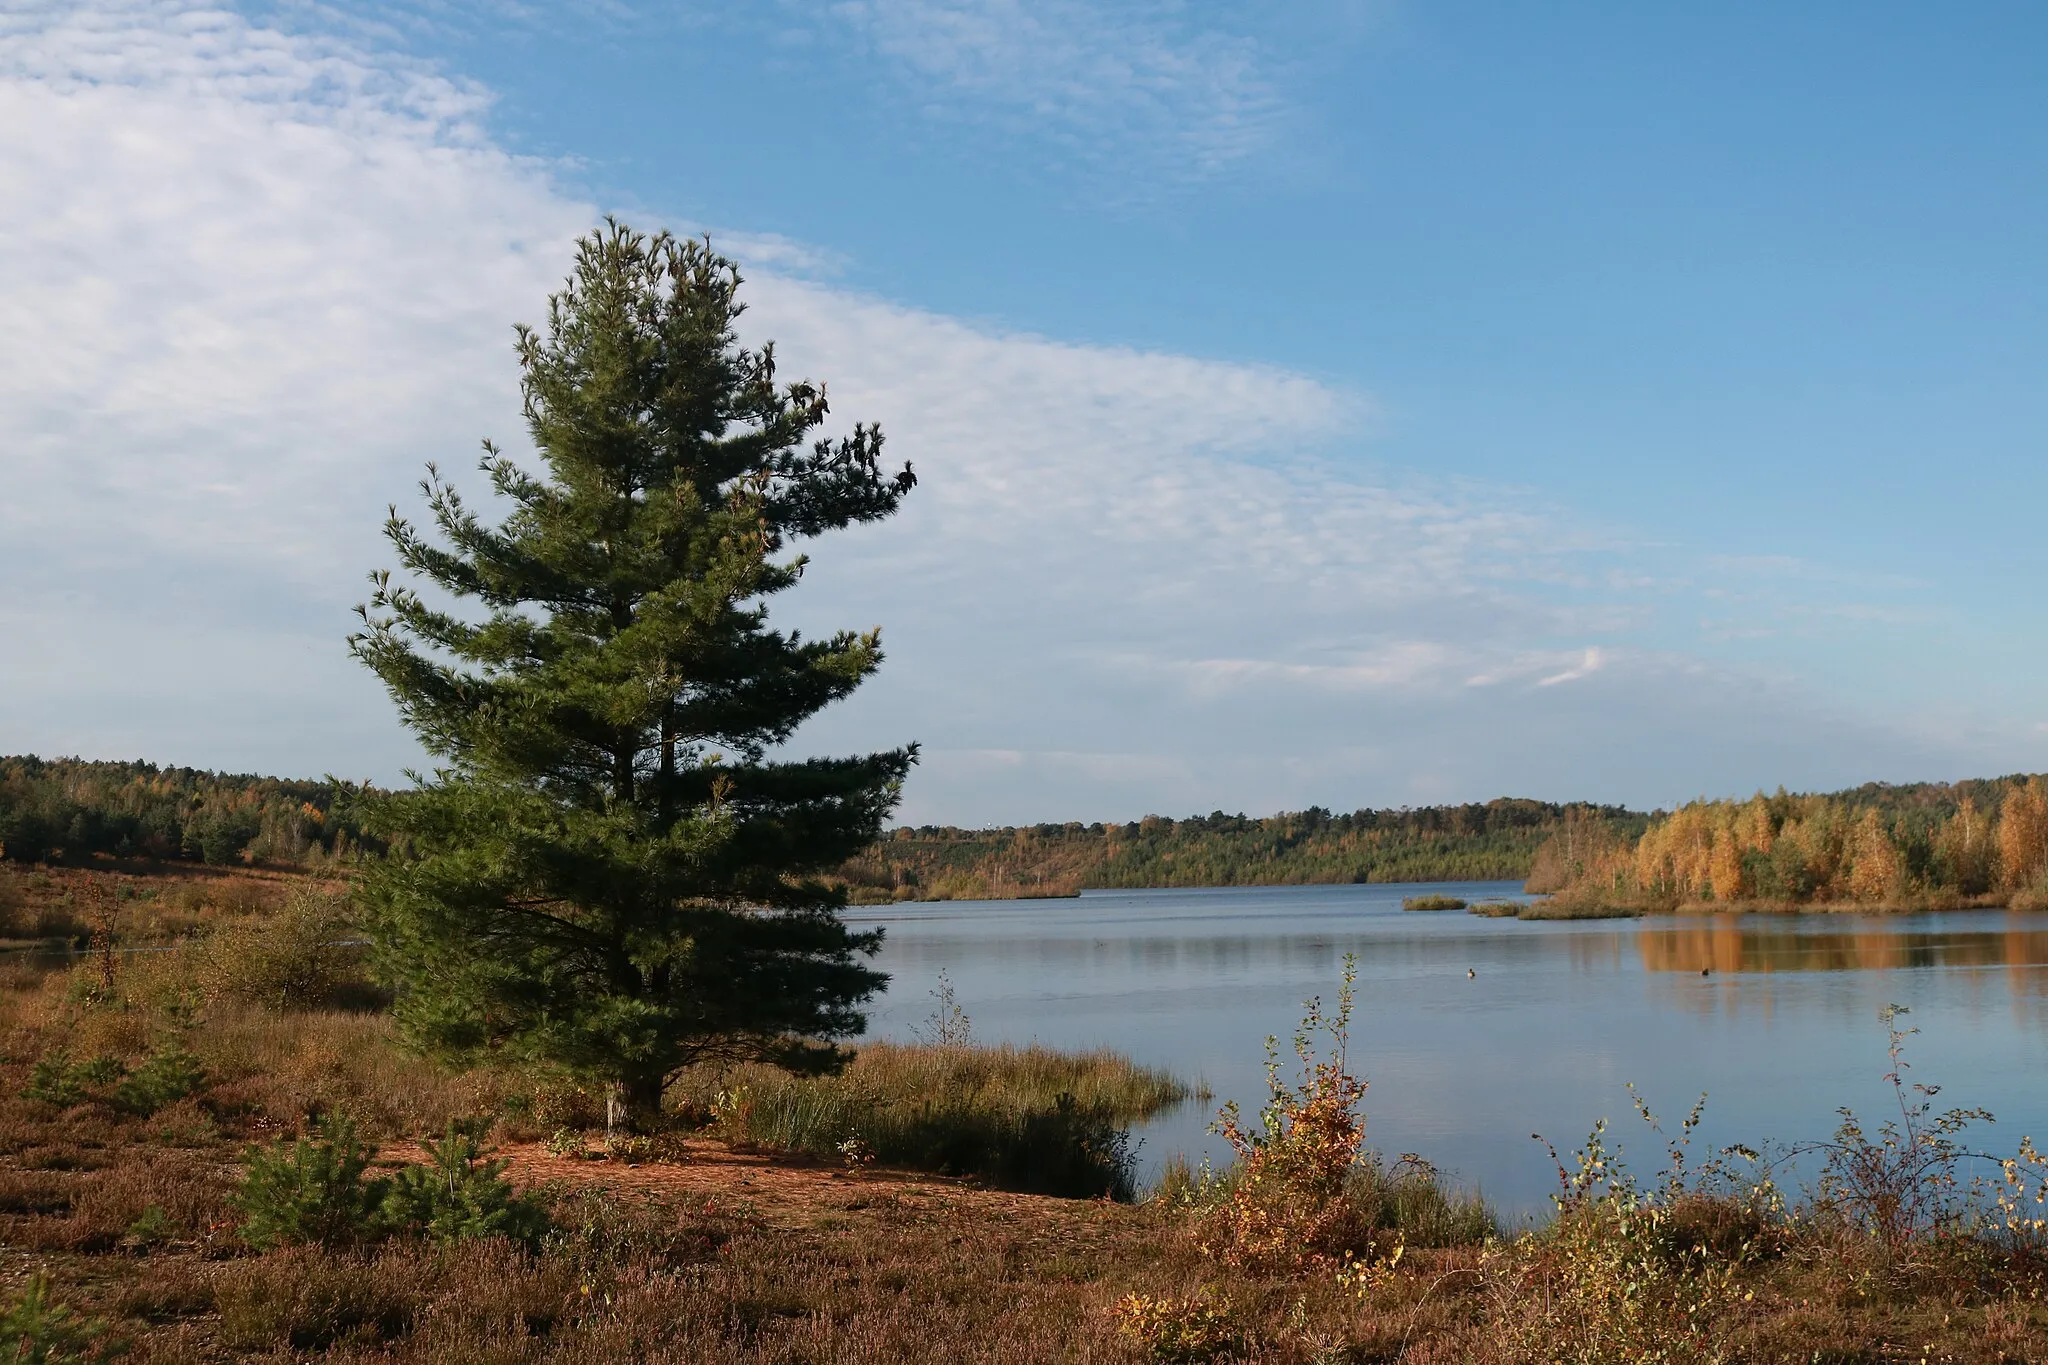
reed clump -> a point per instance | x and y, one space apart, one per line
1432 902
1566 907
1557 907
1024 1118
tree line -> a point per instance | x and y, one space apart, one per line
1477 841
75 808
1920 845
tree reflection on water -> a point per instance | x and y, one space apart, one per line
1769 943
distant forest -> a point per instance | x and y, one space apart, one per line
1497 840
1981 841
71 808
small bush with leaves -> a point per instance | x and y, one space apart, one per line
1622 1281
311 1190
458 1193
1179 1329
1285 1208
1901 1183
153 1228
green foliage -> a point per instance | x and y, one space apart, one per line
74 808
1474 842
311 1190
1432 903
1628 1277
1410 1197
166 1076
1177 1329
457 1194
609 875
36 1330
153 1227
55 1079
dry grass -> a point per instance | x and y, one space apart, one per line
1021 1118
1560 908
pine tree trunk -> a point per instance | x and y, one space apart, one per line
640 1097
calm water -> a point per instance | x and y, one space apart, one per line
1560 1015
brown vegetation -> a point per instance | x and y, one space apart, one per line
120 1231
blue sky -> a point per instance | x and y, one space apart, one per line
1340 403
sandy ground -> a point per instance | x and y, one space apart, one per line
780 1190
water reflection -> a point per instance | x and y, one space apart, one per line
1769 943
1555 1018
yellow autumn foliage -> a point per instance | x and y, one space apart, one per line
1786 849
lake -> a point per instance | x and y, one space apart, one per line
1559 1016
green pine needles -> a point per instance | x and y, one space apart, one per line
313 1189
613 874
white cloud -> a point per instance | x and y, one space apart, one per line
1134 83
249 277
1586 667
254 281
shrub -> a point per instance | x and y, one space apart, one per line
35 1329
299 958
165 1077
1902 1183
1180 1329
152 1228
1623 1282
1285 1207
458 1194
55 1080
311 1190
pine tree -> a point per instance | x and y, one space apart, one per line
612 873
